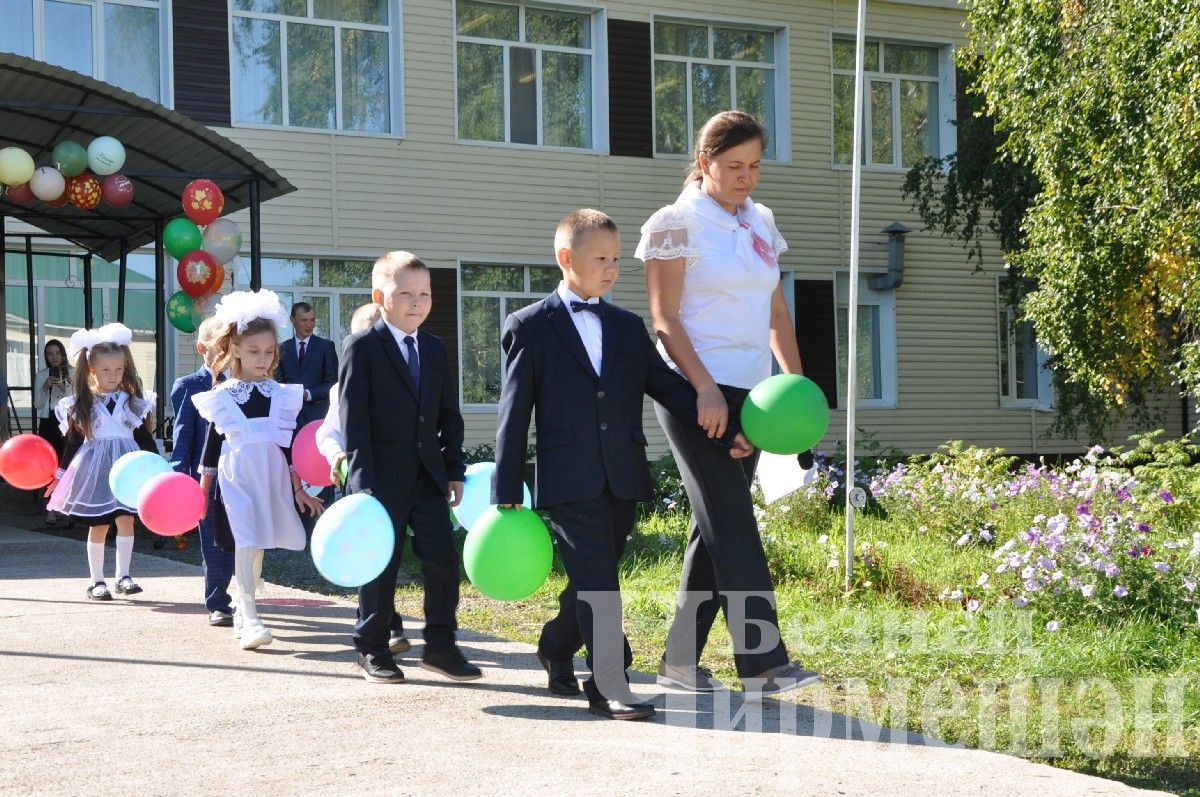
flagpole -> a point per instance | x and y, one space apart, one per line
852 307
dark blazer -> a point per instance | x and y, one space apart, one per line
190 429
391 432
320 372
589 427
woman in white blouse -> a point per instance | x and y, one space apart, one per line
49 385
717 304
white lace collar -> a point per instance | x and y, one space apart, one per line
240 390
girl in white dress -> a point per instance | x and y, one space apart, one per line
107 416
248 450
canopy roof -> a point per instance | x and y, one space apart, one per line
42 105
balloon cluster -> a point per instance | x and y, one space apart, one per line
169 503
202 254
80 176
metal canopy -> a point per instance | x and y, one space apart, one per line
41 105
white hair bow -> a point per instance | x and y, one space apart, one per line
242 307
85 339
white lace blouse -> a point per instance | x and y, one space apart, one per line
731 264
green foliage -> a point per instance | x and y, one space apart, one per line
1094 183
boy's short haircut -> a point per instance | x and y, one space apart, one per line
579 223
364 316
384 271
209 330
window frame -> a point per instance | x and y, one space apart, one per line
599 54
166 41
1007 338
781 136
333 293
886 302
476 407
946 94
395 31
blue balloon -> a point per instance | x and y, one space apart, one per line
130 473
353 541
477 494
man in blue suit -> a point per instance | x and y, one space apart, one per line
583 365
308 360
190 431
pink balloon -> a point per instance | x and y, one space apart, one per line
171 504
309 464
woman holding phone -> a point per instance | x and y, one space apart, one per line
49 385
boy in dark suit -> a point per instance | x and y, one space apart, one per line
404 437
190 431
583 365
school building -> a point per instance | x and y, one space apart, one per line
463 130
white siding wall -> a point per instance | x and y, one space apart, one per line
359 196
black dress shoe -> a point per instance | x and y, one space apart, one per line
380 668
450 663
616 710
562 680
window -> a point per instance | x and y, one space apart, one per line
526 75
334 287
59 311
903 107
701 70
318 64
118 41
876 339
1025 381
487 294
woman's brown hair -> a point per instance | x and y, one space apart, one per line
722 132
81 384
225 341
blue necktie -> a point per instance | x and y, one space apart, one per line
594 307
414 367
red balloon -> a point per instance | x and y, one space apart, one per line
62 199
203 201
199 273
27 462
19 194
117 190
171 504
84 191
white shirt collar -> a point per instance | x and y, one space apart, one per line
703 204
398 333
567 295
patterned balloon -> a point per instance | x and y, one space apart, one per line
183 313
198 272
117 190
84 191
203 201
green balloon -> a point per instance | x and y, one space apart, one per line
70 158
508 553
785 414
183 313
180 236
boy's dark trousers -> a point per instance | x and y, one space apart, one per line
591 538
428 513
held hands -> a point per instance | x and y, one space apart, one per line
712 413
456 493
741 447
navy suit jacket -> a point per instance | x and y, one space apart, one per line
319 374
393 430
589 426
190 429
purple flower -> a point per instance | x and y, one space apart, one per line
1086 590
1162 567
1111 570
1052 625
1189 585
1166 496
1142 527
1120 591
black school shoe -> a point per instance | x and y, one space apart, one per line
616 710
380 668
127 586
560 675
99 592
450 663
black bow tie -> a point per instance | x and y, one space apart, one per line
597 307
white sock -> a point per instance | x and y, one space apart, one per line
124 555
96 560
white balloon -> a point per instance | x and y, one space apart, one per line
47 183
106 155
222 240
